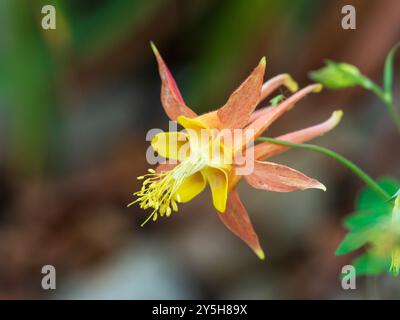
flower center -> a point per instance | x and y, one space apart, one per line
160 190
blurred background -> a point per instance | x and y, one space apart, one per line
75 106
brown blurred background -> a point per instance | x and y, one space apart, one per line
75 106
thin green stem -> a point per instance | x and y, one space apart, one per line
342 160
387 93
392 111
387 98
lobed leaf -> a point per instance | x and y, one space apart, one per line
364 219
352 242
370 264
368 199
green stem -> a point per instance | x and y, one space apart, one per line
392 111
387 99
347 163
387 96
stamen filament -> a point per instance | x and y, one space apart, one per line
159 190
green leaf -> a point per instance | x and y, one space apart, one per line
352 241
371 207
397 194
364 224
388 72
370 264
365 219
369 199
370 225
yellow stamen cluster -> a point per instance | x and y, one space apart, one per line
159 190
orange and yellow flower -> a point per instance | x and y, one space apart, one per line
197 164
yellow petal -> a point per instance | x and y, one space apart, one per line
171 145
191 123
205 121
218 181
191 187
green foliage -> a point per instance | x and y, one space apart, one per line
368 199
340 75
353 241
397 194
370 264
369 226
28 70
94 32
223 45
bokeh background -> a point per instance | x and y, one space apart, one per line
75 106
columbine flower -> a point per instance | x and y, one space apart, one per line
198 156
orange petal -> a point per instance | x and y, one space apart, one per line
210 120
274 83
265 150
237 220
265 120
171 98
235 114
276 177
270 86
233 179
261 112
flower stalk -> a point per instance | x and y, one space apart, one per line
339 158
388 101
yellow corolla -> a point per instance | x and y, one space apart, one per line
203 157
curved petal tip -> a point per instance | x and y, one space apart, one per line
290 83
317 87
320 186
337 116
